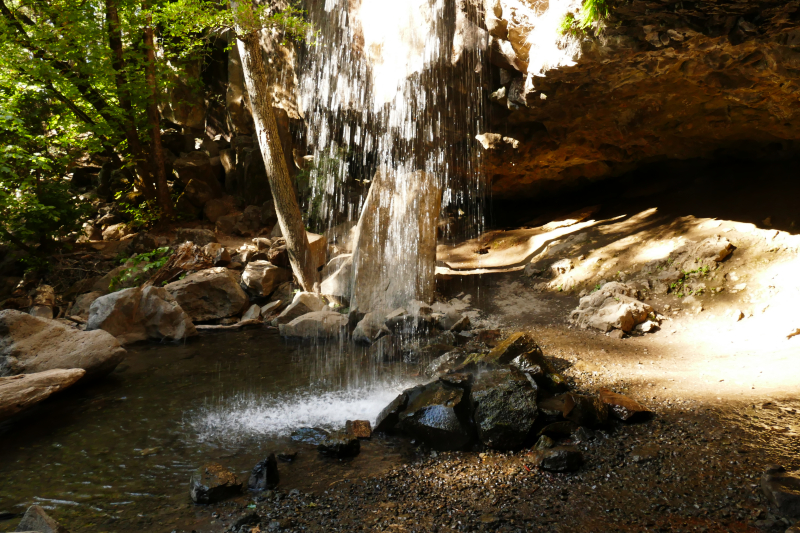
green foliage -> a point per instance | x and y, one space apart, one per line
139 267
591 14
143 215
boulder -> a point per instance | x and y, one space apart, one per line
138 314
265 474
318 247
337 284
389 417
513 346
213 483
437 414
558 459
17 393
453 321
116 232
36 520
611 307
226 224
216 208
201 237
370 329
29 344
197 166
302 303
585 410
209 294
317 324
445 362
270 309
782 489
504 407
82 304
621 406
198 193
254 313
340 444
261 278
219 255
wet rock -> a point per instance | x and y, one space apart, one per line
389 417
247 519
453 321
265 474
198 236
318 248
462 380
82 304
585 410
32 345
370 329
448 361
340 444
287 456
559 430
621 406
504 407
610 308
388 348
261 278
17 393
309 435
437 414
359 428
544 443
213 483
302 303
254 313
139 314
318 324
35 519
553 406
782 489
209 294
558 459
337 285
513 346
270 309
219 255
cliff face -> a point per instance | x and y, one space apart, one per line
663 80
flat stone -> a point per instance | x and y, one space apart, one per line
340 444
317 325
17 393
214 483
309 435
585 410
621 406
359 428
558 459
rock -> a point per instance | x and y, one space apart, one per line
445 362
262 243
513 346
318 247
213 483
261 278
342 236
309 435
29 345
287 456
585 410
209 294
36 520
621 406
41 311
246 520
558 459
254 313
610 308
265 474
386 278
453 321
198 193
647 326
338 284
200 237
714 249
390 415
83 303
370 329
17 393
782 489
359 428
270 309
216 208
302 303
437 414
387 348
504 407
226 224
139 314
250 221
559 430
187 258
117 232
340 444
219 255
44 296
317 324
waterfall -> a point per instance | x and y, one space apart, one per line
392 97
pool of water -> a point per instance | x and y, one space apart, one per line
117 455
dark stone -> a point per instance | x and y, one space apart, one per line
359 428
585 410
387 348
287 456
544 443
782 489
340 444
553 406
390 415
558 459
438 415
559 430
504 407
200 237
621 406
35 519
457 379
213 483
309 435
249 519
265 474
445 362
515 345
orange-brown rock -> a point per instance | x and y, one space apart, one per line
621 406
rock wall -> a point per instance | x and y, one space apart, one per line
660 80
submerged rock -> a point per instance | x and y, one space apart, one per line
340 444
36 520
265 474
139 314
337 283
437 414
213 483
316 325
504 407
370 329
17 393
209 294
29 344
309 435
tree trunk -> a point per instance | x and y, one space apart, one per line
286 206
129 125
162 188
